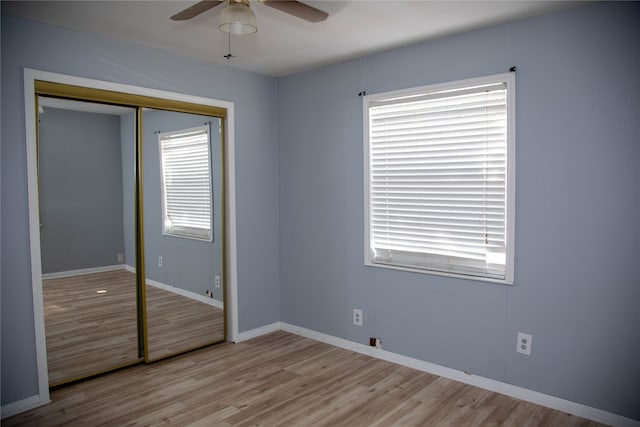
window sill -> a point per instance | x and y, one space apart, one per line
508 281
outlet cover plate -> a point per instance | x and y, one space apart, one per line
357 317
524 343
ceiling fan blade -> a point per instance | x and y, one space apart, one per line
195 10
298 9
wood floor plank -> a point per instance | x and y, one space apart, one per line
267 382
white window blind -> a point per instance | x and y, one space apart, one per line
438 184
186 183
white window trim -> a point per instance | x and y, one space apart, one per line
509 80
181 231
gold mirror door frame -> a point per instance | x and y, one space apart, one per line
142 102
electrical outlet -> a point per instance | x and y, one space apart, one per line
357 317
524 343
217 281
120 258
160 261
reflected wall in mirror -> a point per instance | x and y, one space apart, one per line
183 231
86 156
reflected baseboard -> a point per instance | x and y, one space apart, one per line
185 293
192 295
83 271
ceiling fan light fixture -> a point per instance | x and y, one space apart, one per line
237 19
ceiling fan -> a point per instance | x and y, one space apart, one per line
292 7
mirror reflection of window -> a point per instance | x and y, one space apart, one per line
185 169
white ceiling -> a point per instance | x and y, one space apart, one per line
283 44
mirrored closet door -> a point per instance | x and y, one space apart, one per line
183 201
86 156
132 229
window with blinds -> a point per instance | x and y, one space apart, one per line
440 178
185 164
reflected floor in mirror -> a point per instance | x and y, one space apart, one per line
90 323
91 327
176 323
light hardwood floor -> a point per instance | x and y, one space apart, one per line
282 380
91 323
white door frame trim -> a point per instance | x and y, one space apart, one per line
30 76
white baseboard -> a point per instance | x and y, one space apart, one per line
185 293
521 393
19 406
262 330
80 272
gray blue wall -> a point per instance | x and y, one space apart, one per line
577 224
80 190
300 203
38 46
